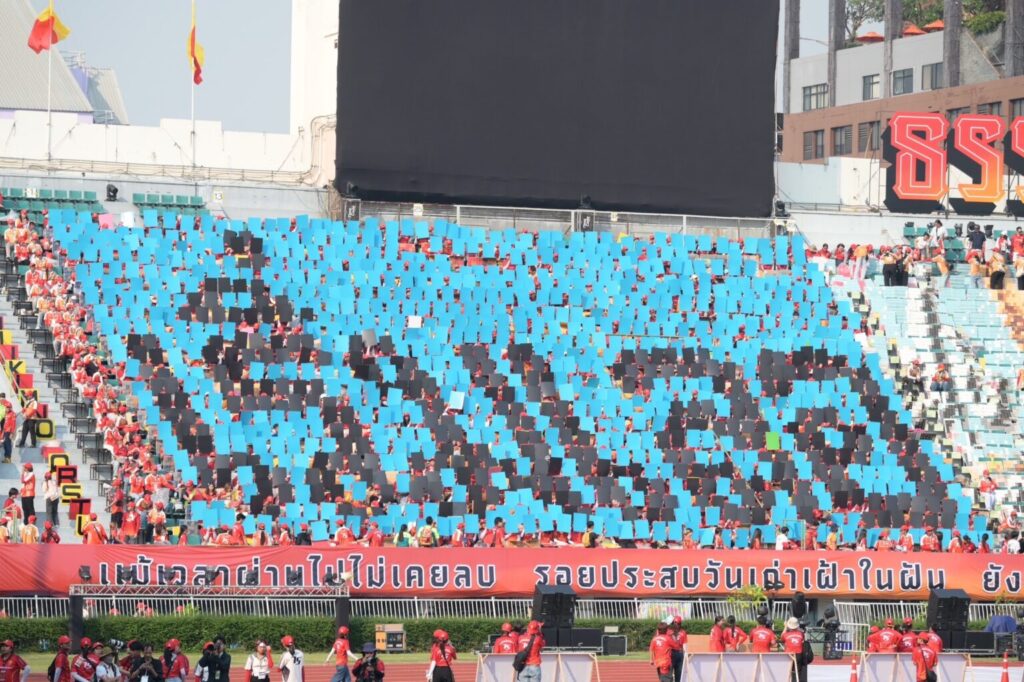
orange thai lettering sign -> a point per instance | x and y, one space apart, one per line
921 148
450 572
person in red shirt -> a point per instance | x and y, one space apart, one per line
131 525
175 662
13 667
374 538
533 643
343 537
82 667
905 542
442 654
908 640
661 648
929 543
888 638
94 532
505 643
261 538
342 653
61 664
934 641
924 660
884 542
872 640
733 635
956 545
238 531
677 632
716 641
762 639
793 640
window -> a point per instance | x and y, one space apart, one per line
993 108
1016 108
814 145
954 114
903 82
869 137
816 96
931 76
871 89
842 140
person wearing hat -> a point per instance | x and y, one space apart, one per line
908 640
888 638
505 643
342 653
872 640
884 542
924 660
956 545
259 664
202 672
292 661
94 533
369 668
13 667
28 490
175 662
134 652
82 668
661 649
905 543
442 654
795 643
61 665
303 537
29 531
929 543
107 670
533 644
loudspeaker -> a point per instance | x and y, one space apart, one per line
581 638
342 611
948 609
945 636
564 638
554 605
957 641
798 605
613 645
550 635
76 621
980 641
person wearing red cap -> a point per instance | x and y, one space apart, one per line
934 641
61 665
291 661
30 413
505 643
884 542
82 667
905 543
342 653
28 490
131 525
888 638
661 648
175 662
374 538
442 653
929 543
924 660
284 537
908 640
29 531
533 644
343 537
13 667
303 537
956 545
94 533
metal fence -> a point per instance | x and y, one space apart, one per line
397 609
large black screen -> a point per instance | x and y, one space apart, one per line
641 105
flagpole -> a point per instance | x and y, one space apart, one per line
193 101
49 94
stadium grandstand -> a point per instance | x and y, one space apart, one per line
255 376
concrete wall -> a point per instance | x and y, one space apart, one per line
314 65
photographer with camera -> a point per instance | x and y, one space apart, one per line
107 670
830 624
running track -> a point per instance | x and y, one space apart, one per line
617 671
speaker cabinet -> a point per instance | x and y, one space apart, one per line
957 640
948 609
613 645
581 638
978 642
554 605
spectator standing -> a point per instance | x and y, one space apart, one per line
30 414
13 667
259 664
428 535
661 649
533 644
202 672
28 490
12 512
888 639
442 654
369 668
94 533
677 633
793 641
342 653
505 643
890 277
175 662
716 640
51 493
220 661
82 668
762 639
733 634
29 532
924 661
782 538
61 664
976 261
8 427
996 269
107 670
147 668
292 660
976 236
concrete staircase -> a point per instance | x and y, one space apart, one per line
74 429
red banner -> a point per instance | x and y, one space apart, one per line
450 573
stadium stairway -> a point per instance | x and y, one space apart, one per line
54 390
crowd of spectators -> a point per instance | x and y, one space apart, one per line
148 499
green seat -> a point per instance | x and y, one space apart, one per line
181 200
47 194
167 199
153 199
75 195
17 192
195 201
35 206
90 196
138 198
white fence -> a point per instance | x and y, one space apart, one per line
397 609
858 617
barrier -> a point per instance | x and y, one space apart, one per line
900 668
512 572
737 667
556 667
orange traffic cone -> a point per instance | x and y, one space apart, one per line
1006 667
853 669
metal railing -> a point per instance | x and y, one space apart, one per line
397 609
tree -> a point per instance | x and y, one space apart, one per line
860 12
922 12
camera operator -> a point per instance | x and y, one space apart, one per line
830 624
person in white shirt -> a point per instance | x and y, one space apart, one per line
259 663
782 538
51 492
202 671
291 661
107 670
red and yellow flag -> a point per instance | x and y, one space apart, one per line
196 54
47 31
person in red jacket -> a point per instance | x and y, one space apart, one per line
13 667
872 640
734 635
61 663
908 640
442 654
533 643
762 639
716 640
175 662
505 644
131 525
934 641
661 648
94 532
888 638
82 667
677 632
924 661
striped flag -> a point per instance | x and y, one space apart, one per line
47 31
196 54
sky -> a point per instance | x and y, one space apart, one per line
248 49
